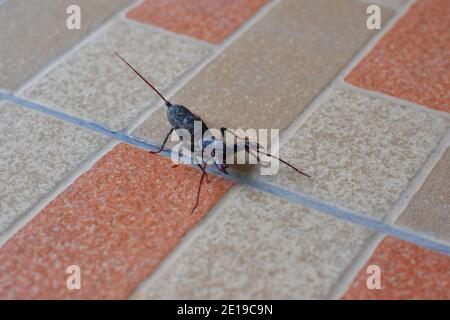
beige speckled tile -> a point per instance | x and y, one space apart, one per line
260 247
95 84
117 222
33 33
269 75
361 151
36 153
428 211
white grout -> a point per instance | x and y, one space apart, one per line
362 257
153 106
337 82
28 216
417 182
301 198
219 49
185 242
414 185
82 168
24 219
374 41
66 182
346 279
169 33
391 99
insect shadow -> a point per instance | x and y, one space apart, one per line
181 117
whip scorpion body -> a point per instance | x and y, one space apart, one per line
181 117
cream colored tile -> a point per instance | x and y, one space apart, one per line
361 151
260 247
428 212
33 33
36 153
95 84
268 76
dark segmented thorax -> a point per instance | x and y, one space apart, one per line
181 118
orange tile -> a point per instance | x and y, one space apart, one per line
209 20
407 272
412 61
116 222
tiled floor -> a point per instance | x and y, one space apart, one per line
365 112
408 272
46 37
409 62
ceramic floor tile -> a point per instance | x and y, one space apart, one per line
209 20
412 62
260 247
267 77
407 272
40 27
95 84
116 222
36 153
428 211
361 151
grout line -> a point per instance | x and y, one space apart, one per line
181 80
143 144
339 83
185 77
87 124
388 26
335 83
117 135
62 57
163 31
38 206
217 51
297 197
391 99
184 242
416 183
358 262
346 279
349 215
290 131
302 199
